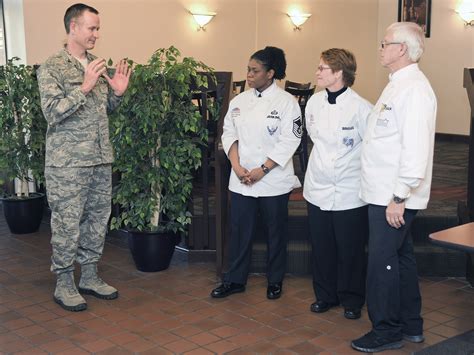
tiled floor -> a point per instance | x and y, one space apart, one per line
170 312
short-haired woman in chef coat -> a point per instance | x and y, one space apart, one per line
336 119
262 130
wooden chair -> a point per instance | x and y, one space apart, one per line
202 235
302 95
238 87
295 85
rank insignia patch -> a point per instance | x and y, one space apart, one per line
298 127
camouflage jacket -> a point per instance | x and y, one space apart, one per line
78 126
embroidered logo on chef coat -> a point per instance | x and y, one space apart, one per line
271 130
385 107
274 114
348 141
235 112
348 128
298 127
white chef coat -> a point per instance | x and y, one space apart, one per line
397 154
332 180
269 126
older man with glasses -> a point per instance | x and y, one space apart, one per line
397 163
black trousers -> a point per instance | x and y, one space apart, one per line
244 212
339 263
393 297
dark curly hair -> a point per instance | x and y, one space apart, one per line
272 58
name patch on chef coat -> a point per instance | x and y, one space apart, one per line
348 128
235 112
382 122
274 114
298 127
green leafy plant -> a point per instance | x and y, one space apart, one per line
22 125
157 134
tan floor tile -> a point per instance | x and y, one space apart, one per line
186 331
199 351
438 317
306 348
163 338
225 331
73 351
244 339
32 351
8 337
445 331
204 338
57 345
461 324
17 323
139 345
98 345
326 341
180 346
263 347
42 338
15 346
123 338
222 346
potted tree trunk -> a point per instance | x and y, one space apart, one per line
157 133
22 148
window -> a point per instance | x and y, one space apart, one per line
3 46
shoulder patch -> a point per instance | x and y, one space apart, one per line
298 127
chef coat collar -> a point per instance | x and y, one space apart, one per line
404 72
267 92
342 97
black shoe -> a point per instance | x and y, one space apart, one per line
226 289
414 338
321 306
274 290
372 343
352 313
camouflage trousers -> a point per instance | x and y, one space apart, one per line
80 201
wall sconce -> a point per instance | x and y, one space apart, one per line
298 19
466 12
202 19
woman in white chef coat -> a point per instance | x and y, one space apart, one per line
262 130
336 119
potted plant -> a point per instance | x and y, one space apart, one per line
22 145
157 134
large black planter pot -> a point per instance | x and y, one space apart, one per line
24 215
152 251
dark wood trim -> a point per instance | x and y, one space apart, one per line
468 84
454 138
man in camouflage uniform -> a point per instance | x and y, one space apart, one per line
76 95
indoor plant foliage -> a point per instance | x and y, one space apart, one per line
157 134
22 125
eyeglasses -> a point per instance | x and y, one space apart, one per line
383 44
321 68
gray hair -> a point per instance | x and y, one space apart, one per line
412 35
